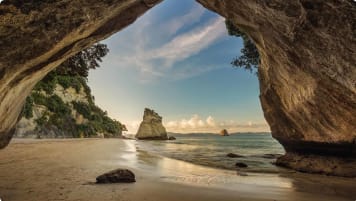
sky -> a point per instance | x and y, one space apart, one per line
175 59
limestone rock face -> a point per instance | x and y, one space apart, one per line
28 128
307 73
332 165
70 94
151 127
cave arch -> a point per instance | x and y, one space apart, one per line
307 73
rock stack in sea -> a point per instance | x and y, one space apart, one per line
151 128
224 132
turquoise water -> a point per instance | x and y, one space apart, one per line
258 150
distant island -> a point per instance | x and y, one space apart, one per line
224 132
216 134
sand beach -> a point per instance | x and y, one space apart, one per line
66 169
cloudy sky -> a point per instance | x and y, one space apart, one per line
176 59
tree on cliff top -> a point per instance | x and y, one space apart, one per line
250 57
83 61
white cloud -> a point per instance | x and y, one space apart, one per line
172 124
187 44
194 122
157 61
210 121
193 16
210 125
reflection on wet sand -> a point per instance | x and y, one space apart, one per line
172 170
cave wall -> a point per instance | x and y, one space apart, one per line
307 77
37 36
307 73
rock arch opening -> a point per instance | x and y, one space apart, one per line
307 74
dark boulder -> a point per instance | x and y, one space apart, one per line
116 176
232 155
241 165
171 138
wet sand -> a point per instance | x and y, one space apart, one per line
41 170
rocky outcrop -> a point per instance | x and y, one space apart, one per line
116 176
307 73
330 165
151 127
224 132
70 94
61 106
28 127
232 155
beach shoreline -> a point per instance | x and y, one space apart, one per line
257 151
51 169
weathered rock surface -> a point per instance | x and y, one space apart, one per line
342 166
70 94
307 73
28 127
151 128
116 176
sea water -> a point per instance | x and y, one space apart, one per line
257 150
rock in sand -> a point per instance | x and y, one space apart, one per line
116 176
241 165
232 155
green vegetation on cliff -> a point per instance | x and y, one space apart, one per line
249 58
71 118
